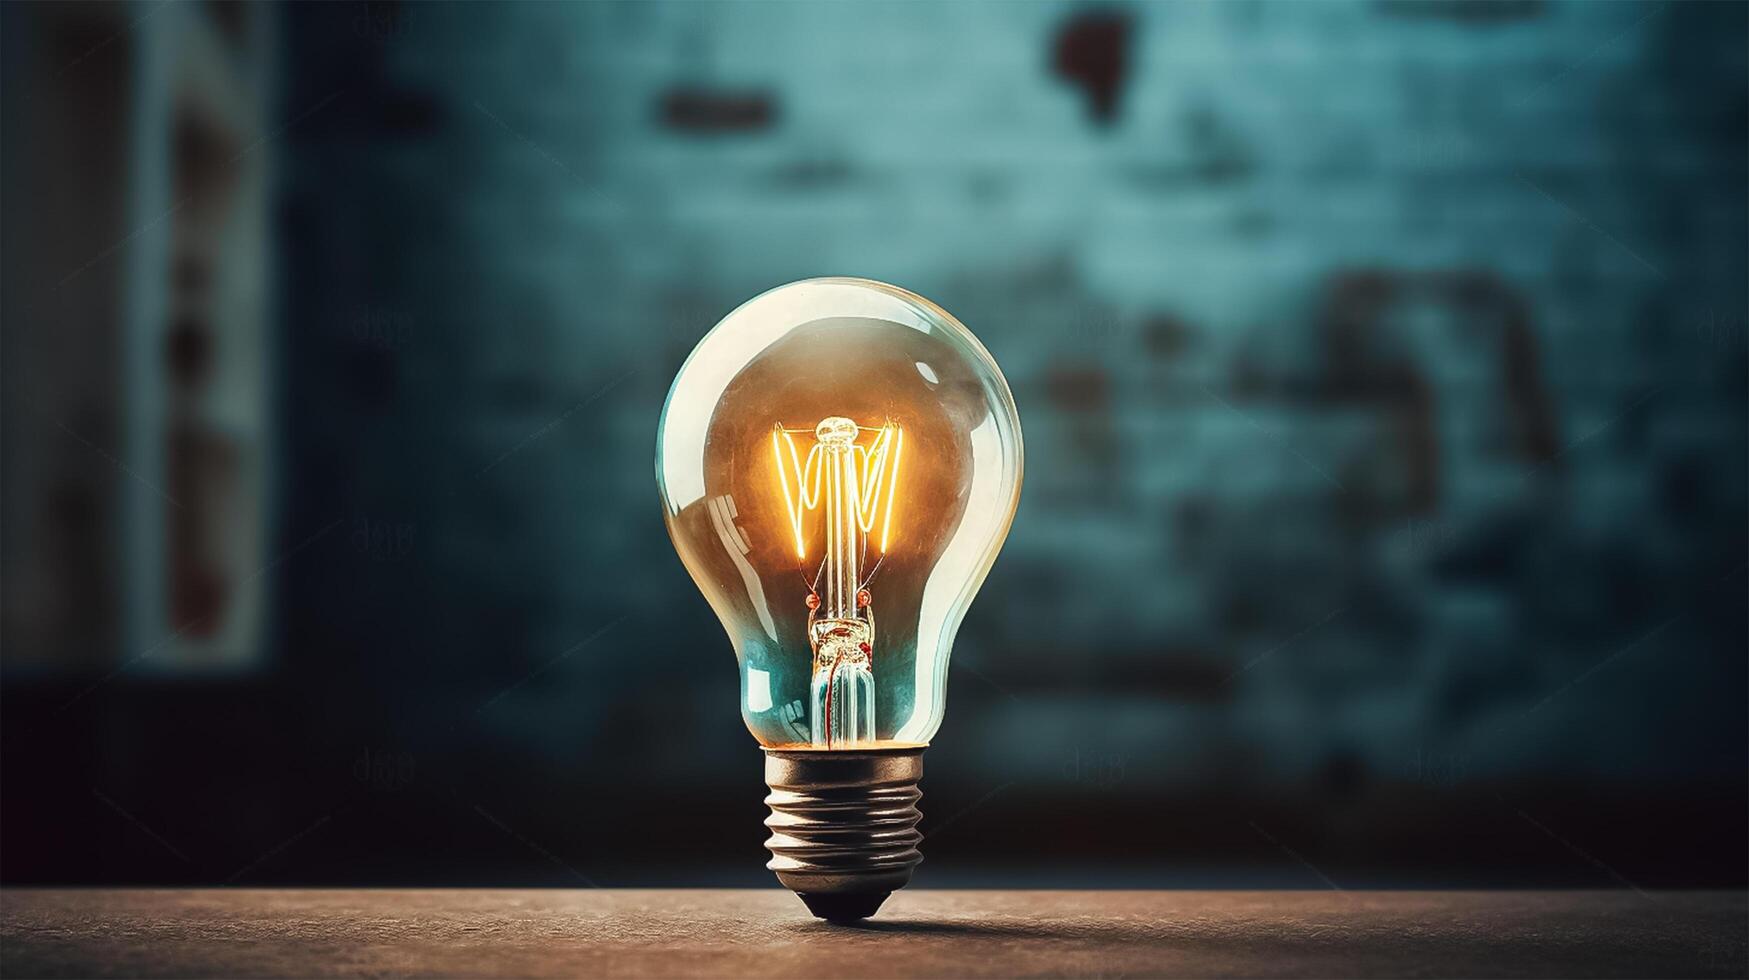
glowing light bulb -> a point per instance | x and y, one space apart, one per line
834 448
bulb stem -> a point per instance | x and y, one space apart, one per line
843 537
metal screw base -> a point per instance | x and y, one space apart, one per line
844 825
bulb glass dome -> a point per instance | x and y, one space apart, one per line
839 461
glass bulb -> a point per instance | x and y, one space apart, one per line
839 462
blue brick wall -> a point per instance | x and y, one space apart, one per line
1381 365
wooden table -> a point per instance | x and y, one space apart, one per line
767 934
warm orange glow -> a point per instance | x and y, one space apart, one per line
809 500
877 475
887 521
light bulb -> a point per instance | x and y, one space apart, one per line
839 461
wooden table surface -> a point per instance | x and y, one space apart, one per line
767 934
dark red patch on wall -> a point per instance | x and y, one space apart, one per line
1092 53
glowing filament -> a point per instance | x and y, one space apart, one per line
866 489
810 498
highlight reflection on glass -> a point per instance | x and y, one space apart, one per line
832 448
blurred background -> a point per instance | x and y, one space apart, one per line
1382 367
